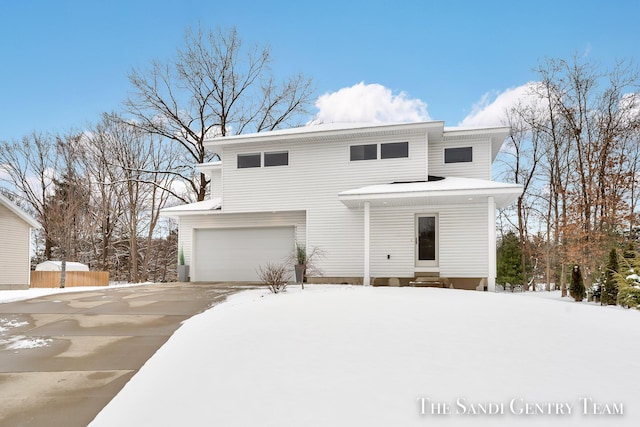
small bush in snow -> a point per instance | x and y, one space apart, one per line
275 276
307 259
629 279
576 290
629 296
609 281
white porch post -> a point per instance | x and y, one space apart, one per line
491 278
367 275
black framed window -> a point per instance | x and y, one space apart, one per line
394 150
248 161
458 155
276 158
364 152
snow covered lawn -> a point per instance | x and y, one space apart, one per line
356 356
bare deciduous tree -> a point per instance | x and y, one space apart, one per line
140 182
214 86
28 167
585 140
67 208
523 155
106 209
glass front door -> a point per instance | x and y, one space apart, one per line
427 240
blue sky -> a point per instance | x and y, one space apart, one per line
62 63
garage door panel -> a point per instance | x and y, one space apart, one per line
234 254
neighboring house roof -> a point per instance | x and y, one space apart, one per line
19 212
447 190
57 266
206 206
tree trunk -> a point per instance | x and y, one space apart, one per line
134 257
63 272
523 238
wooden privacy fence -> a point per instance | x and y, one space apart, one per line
51 279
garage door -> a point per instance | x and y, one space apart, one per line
234 254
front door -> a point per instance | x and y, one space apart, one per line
426 241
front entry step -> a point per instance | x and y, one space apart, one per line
430 282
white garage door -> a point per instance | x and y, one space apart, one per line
234 254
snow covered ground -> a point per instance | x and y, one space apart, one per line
356 356
18 295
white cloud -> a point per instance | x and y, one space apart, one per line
369 103
488 112
180 188
630 107
491 109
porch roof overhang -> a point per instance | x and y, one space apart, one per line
451 190
197 208
208 168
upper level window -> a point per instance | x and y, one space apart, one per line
276 158
248 160
364 152
458 155
394 150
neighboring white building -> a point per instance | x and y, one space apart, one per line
396 201
57 266
15 240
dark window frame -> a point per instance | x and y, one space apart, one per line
363 152
427 250
247 161
389 147
275 158
458 155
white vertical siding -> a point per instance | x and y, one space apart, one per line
463 241
339 232
305 194
462 234
316 173
393 234
216 183
480 167
14 249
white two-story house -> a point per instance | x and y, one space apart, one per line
385 204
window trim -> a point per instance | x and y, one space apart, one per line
248 155
267 153
444 155
405 143
351 159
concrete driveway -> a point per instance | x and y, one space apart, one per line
64 357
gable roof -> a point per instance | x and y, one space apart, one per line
19 212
